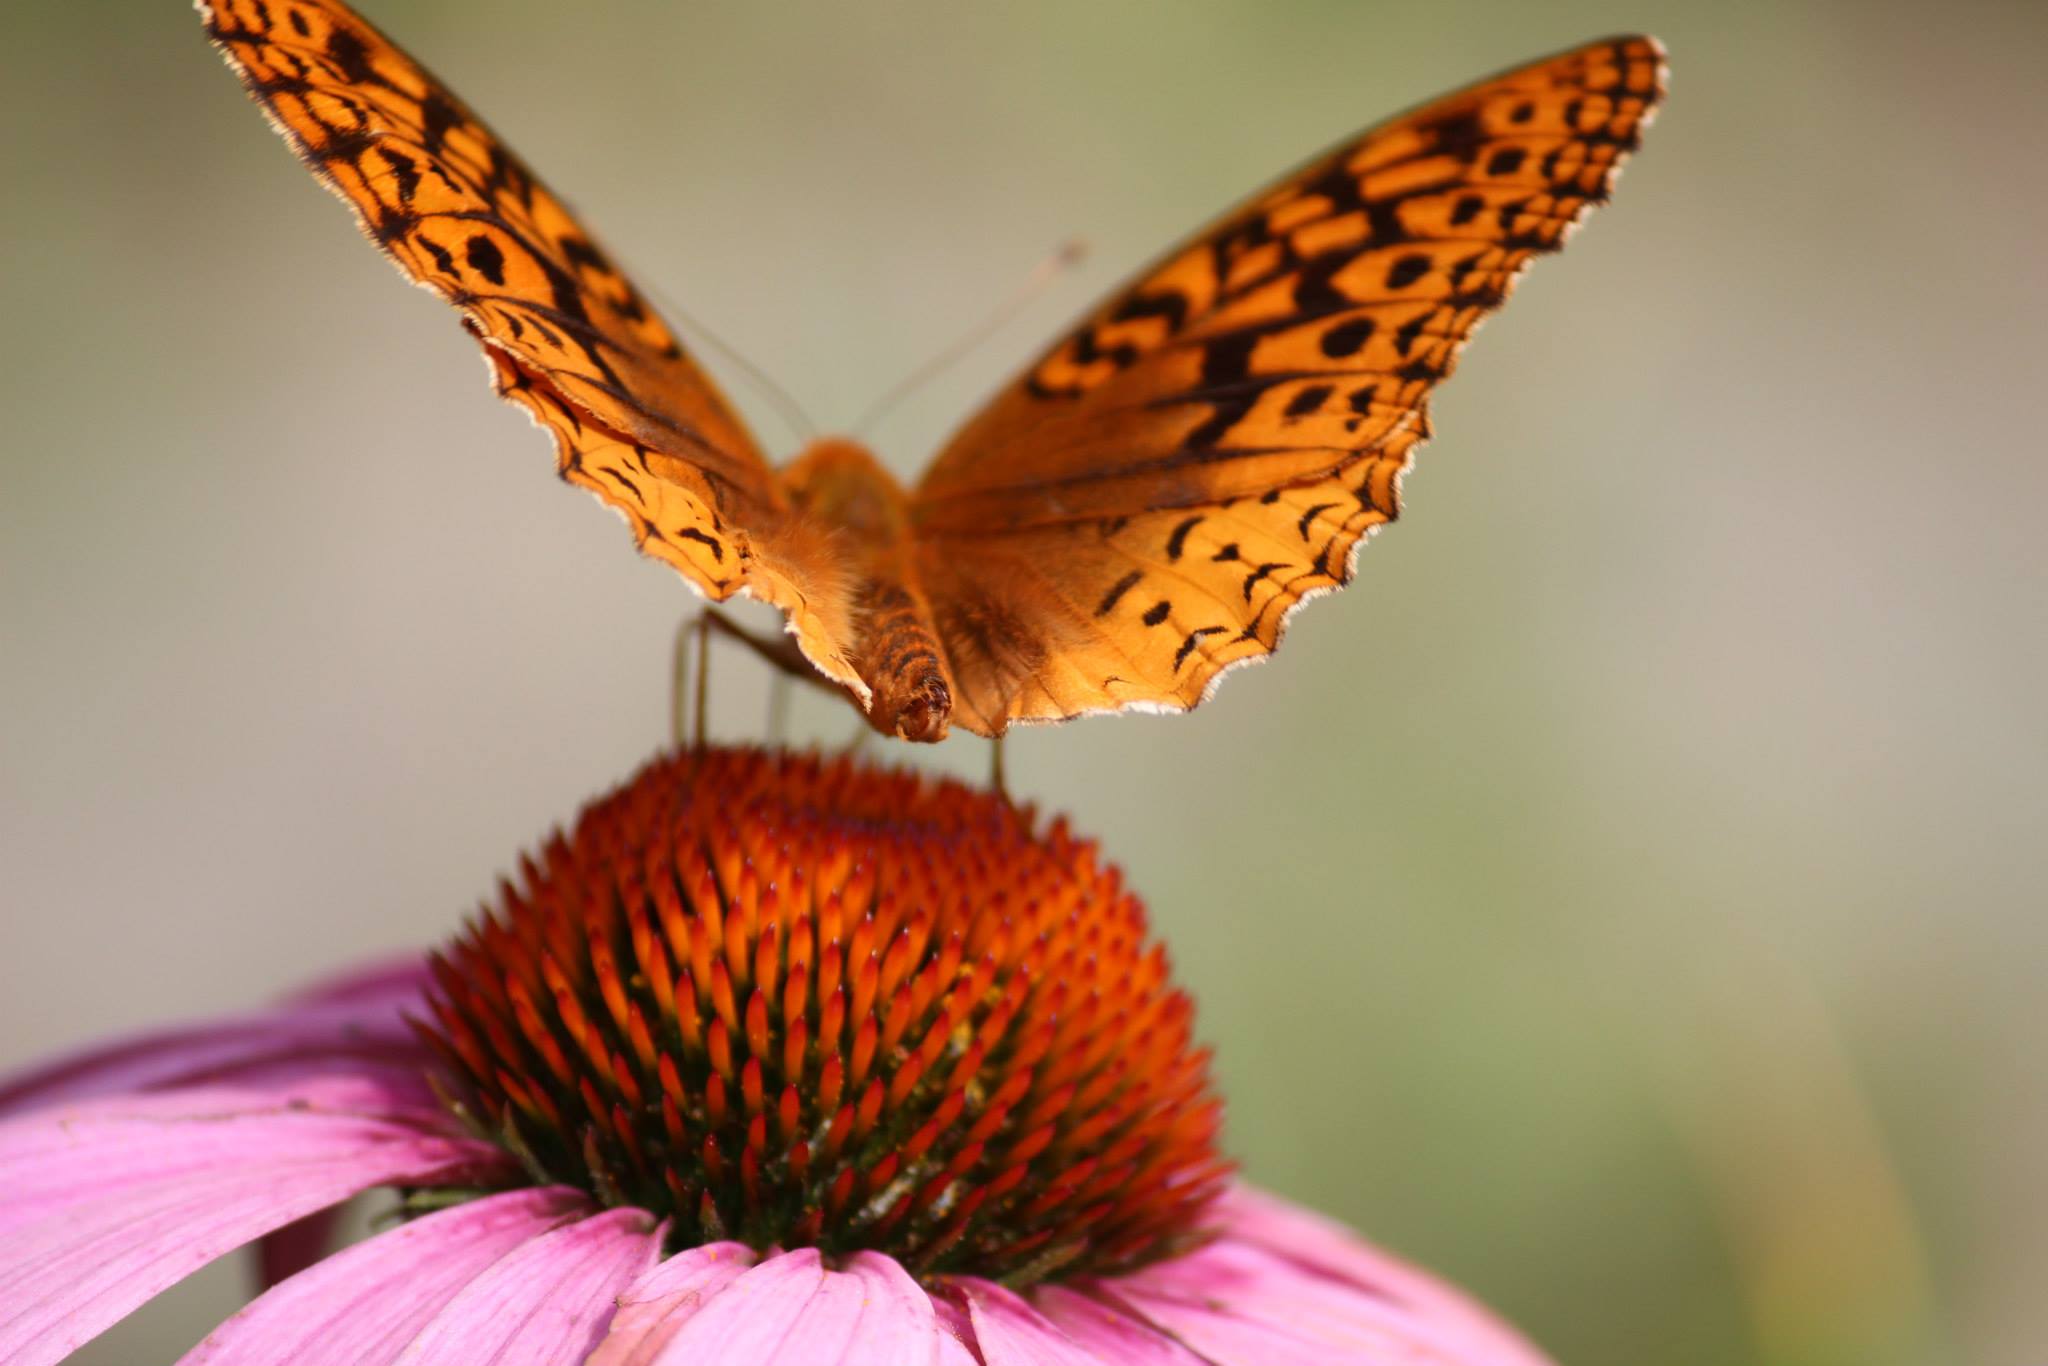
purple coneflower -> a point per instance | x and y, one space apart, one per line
767 1060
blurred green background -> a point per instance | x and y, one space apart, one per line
1625 899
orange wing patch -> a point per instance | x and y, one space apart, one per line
1311 324
567 335
462 216
1147 504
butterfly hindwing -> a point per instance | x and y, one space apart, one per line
1265 384
1146 612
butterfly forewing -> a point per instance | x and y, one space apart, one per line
1143 507
462 216
1306 325
568 336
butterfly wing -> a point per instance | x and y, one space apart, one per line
567 336
1144 507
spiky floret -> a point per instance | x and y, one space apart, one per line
803 1003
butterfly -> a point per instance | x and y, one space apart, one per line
1135 515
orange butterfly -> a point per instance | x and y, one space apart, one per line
1138 513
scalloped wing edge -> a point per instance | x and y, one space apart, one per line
1204 683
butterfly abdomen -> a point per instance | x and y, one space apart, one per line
899 657
841 488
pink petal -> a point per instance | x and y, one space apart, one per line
1248 1325
398 980
1248 1215
1010 1332
1108 1333
1319 1244
546 1303
896 1321
790 1309
1241 1306
956 1331
893 1321
653 1311
104 1203
362 1306
366 1037
348 1024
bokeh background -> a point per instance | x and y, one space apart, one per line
1626 898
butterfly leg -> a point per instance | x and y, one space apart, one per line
700 707
690 723
679 668
779 651
996 776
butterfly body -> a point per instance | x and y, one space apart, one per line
839 486
1139 513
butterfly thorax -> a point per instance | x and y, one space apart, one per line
839 486
839 482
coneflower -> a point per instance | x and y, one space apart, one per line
766 1060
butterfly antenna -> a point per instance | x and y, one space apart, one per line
787 408
1062 259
